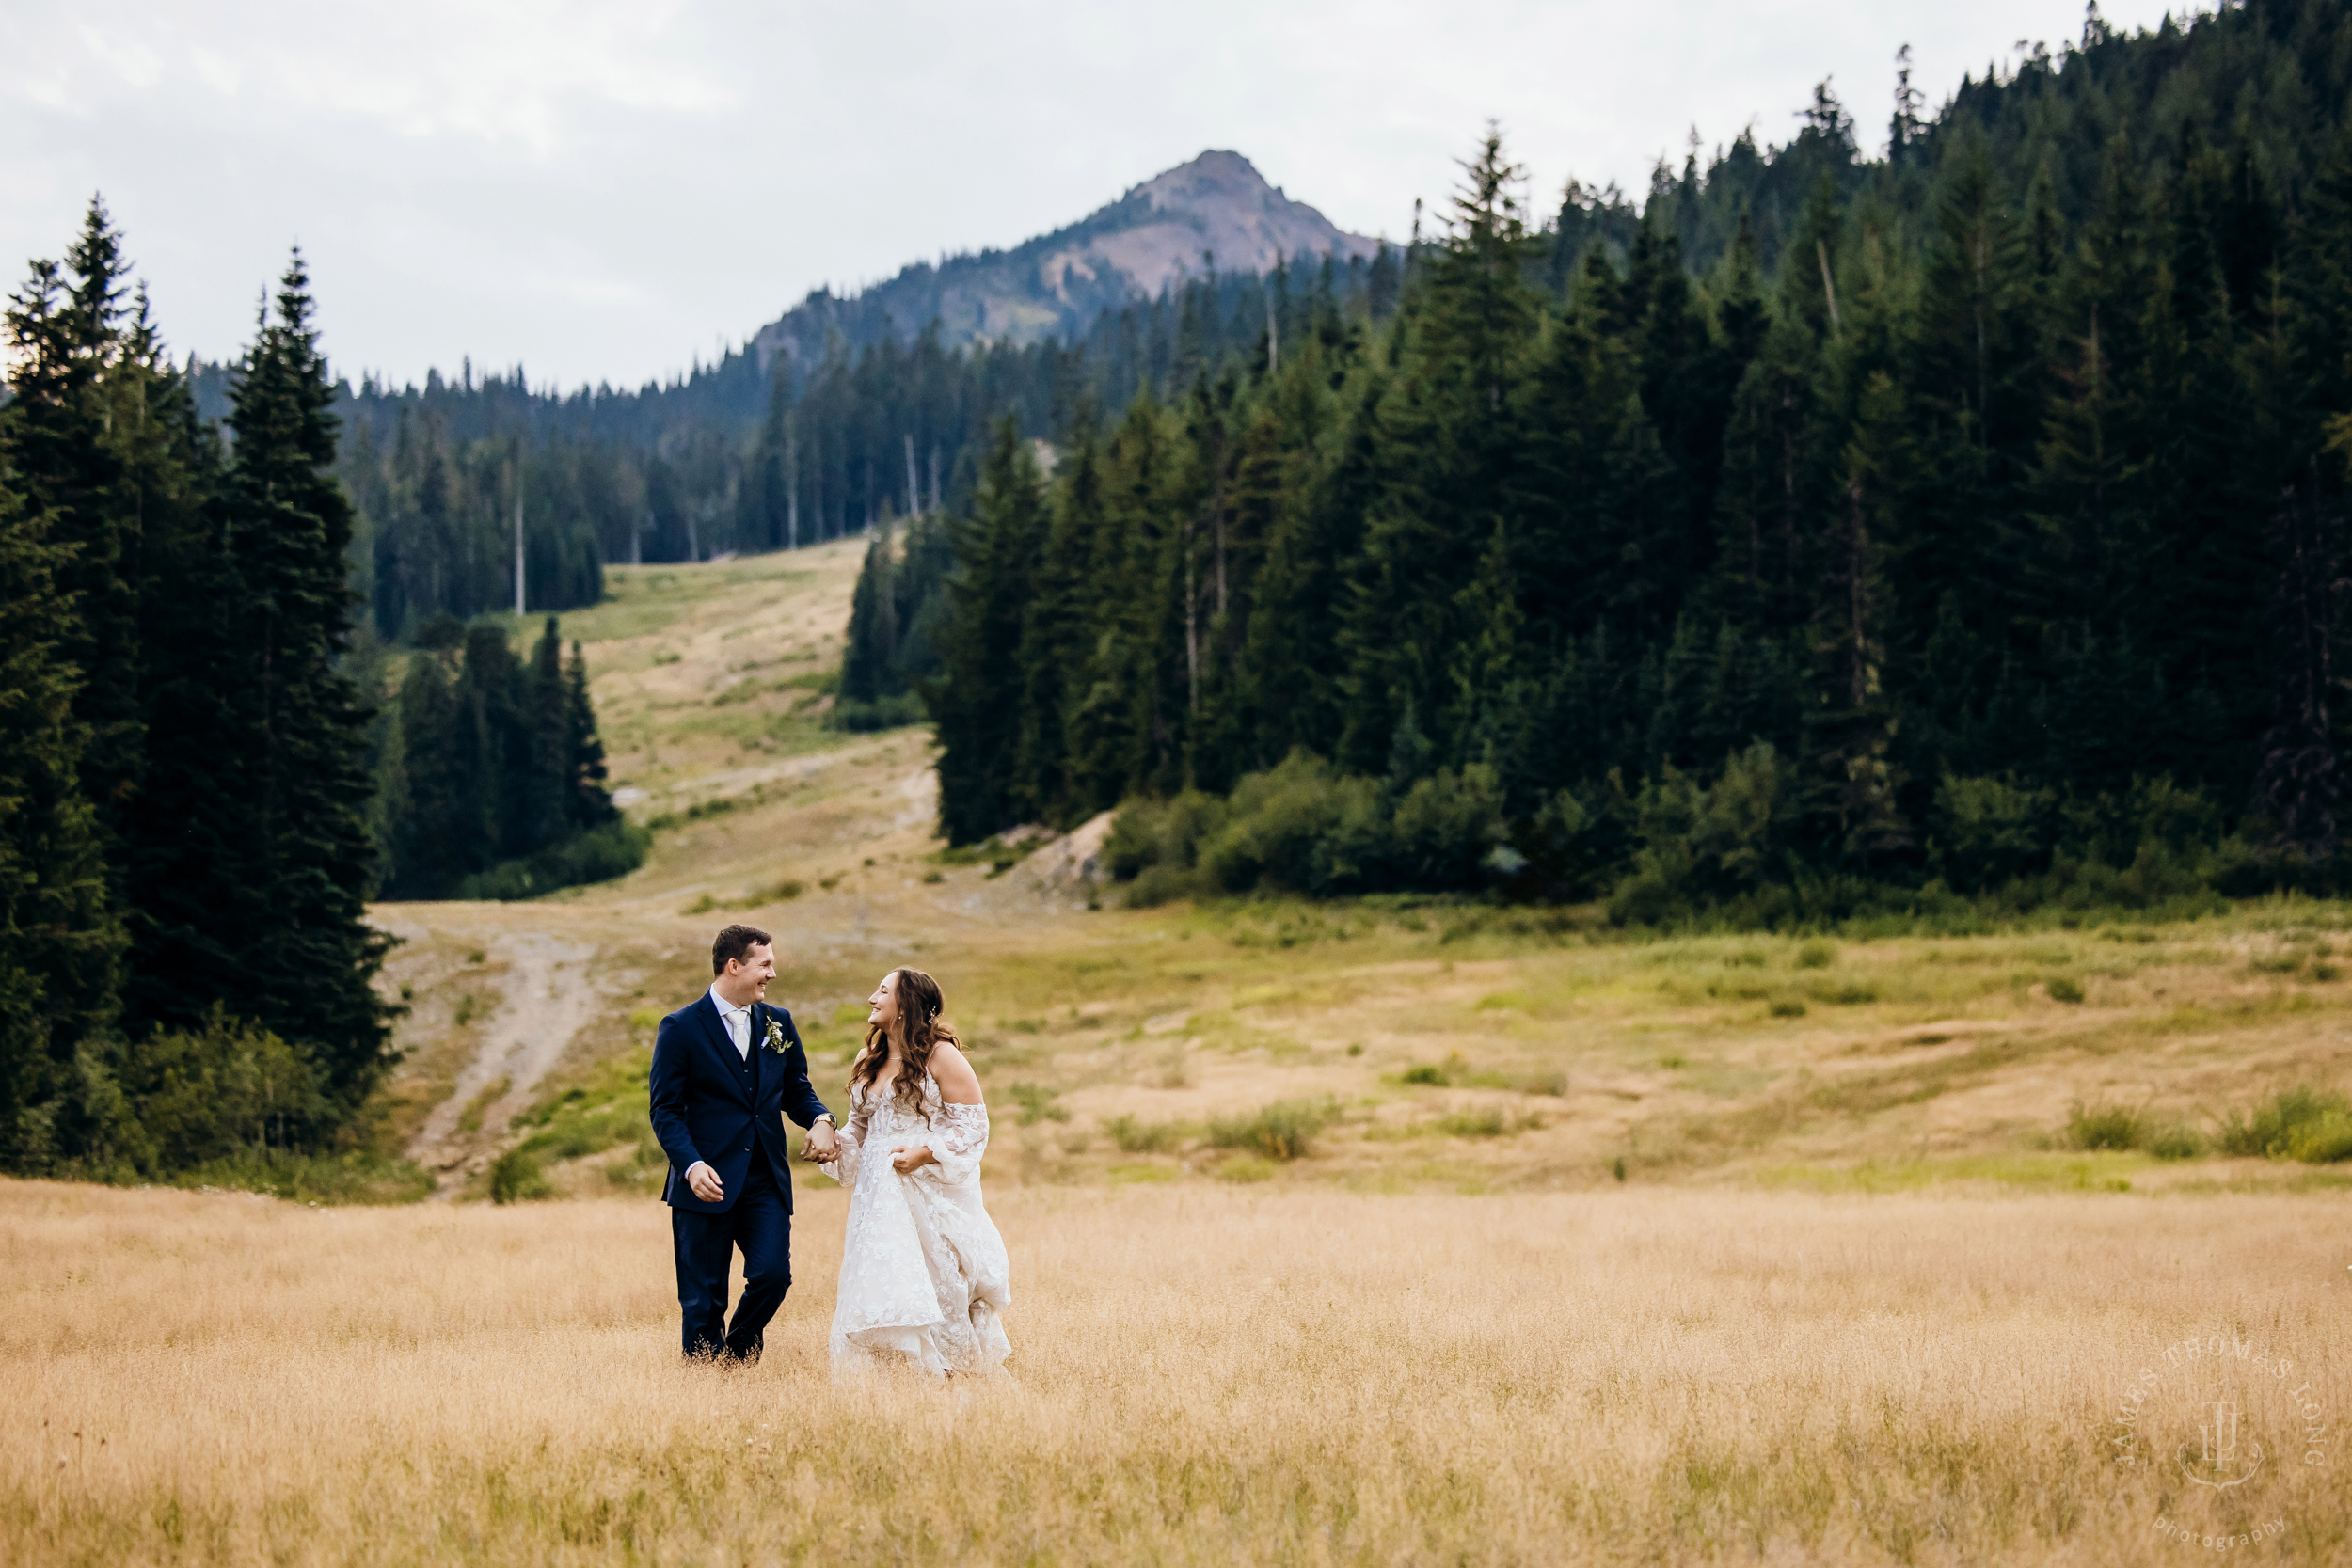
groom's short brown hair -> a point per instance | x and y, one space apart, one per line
733 943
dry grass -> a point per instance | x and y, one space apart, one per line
1203 1376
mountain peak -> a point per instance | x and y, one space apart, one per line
1216 211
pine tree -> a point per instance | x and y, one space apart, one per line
65 329
188 821
977 703
592 804
1855 785
299 953
1455 445
58 940
869 655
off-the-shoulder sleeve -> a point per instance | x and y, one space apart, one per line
959 1138
842 1168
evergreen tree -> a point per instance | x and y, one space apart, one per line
299 955
58 938
65 329
977 701
870 649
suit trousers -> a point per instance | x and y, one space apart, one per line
759 1224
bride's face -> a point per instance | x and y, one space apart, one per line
883 1003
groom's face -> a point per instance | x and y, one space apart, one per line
752 972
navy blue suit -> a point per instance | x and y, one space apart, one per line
728 1111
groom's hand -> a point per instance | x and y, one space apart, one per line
819 1146
704 1182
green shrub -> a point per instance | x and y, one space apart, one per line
516 1177
1424 1072
596 856
2176 1141
1037 1104
1283 1131
2325 1140
1986 832
1485 1123
1816 955
1138 1138
1302 827
2063 990
2292 1119
2117 1127
224 1090
1701 844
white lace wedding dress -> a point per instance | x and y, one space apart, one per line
924 1276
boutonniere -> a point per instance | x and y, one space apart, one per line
775 1037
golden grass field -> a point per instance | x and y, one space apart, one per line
1203 1375
1602 1247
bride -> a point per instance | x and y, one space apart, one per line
923 1270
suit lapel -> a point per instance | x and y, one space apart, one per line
730 1065
757 1051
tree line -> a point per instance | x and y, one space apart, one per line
490 774
207 764
1986 544
183 791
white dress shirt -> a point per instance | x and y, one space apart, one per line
738 1021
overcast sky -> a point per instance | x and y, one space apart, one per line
602 191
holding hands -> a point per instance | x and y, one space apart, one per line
819 1146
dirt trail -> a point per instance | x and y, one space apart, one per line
552 990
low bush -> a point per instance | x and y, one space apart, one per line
1141 1137
2300 1123
1283 1131
1487 1123
2115 1127
516 1177
1037 1104
596 856
226 1090
1301 827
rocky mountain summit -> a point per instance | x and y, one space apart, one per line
1216 211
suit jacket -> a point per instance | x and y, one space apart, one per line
711 1105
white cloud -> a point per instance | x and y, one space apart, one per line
602 190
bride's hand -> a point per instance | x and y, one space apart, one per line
906 1162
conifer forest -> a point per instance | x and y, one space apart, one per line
1960 528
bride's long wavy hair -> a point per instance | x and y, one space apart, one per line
921 1030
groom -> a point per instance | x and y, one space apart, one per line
726 1072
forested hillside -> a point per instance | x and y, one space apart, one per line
184 789
1969 521
728 461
